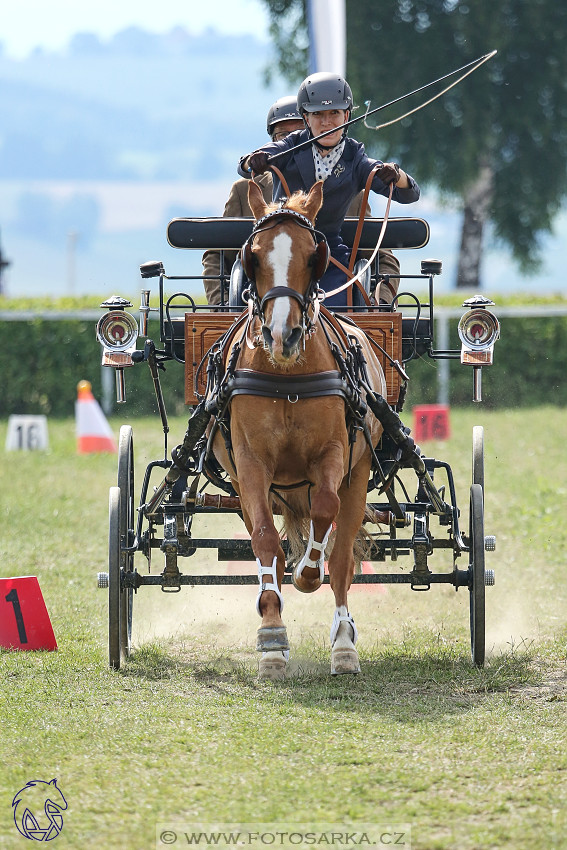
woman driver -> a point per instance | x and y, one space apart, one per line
325 101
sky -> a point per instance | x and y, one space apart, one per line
27 24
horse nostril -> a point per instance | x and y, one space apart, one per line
294 338
267 334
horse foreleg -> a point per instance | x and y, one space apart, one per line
309 573
313 561
272 639
344 634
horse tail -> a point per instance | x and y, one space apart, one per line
296 528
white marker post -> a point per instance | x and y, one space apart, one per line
27 433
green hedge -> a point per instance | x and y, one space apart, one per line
41 363
530 364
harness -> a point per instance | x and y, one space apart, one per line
225 381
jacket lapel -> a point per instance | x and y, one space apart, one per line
306 166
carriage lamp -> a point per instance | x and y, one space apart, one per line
478 331
117 332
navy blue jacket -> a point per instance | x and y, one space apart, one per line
346 180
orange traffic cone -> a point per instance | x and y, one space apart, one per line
93 431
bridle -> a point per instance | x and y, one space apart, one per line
320 261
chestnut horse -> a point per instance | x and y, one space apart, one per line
294 445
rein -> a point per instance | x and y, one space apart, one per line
281 178
371 259
351 281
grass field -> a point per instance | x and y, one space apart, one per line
186 734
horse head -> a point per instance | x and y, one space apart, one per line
284 259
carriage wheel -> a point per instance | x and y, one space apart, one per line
478 456
114 594
127 514
477 577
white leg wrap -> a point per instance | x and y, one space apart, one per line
342 616
264 572
312 544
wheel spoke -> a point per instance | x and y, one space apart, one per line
478 456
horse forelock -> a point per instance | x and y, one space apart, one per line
295 202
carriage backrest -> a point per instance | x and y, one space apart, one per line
226 234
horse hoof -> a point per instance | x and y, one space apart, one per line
304 584
272 666
344 661
273 639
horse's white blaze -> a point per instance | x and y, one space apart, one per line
279 258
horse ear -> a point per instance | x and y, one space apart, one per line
256 200
314 200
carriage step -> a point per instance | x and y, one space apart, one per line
489 578
490 543
102 580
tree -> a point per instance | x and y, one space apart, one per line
497 141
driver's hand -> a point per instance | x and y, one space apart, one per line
258 162
389 173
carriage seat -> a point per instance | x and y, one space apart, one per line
229 234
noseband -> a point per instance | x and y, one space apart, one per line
268 222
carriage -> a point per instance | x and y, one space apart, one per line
181 492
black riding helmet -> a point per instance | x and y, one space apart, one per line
323 91
284 109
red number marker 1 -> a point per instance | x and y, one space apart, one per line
24 621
